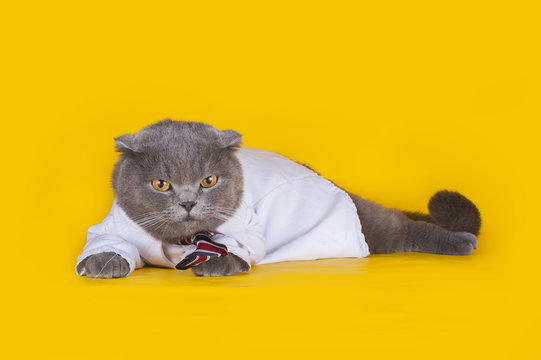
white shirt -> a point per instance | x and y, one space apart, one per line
288 212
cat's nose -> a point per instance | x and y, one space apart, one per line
188 205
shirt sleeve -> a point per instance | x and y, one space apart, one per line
243 235
103 237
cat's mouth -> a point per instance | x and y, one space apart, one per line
190 219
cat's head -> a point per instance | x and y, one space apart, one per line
175 178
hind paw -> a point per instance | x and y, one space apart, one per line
459 243
469 237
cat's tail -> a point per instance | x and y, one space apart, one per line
452 211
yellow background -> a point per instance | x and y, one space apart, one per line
392 100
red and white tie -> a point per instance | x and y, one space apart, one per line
205 249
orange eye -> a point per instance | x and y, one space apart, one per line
209 181
161 185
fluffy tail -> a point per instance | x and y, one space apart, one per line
452 211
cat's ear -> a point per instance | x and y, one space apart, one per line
230 139
125 144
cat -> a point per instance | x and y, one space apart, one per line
176 178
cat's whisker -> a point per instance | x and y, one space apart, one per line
164 225
224 212
222 208
152 214
146 214
216 208
148 221
221 217
156 224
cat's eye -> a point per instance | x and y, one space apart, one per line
209 181
161 185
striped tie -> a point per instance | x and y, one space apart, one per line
205 249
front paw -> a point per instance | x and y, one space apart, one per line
106 265
221 266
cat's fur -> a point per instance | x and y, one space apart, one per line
186 152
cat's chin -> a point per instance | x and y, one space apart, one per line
191 224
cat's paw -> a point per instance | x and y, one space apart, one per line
459 243
106 265
221 266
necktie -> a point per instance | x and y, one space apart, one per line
205 249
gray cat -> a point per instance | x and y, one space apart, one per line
175 178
